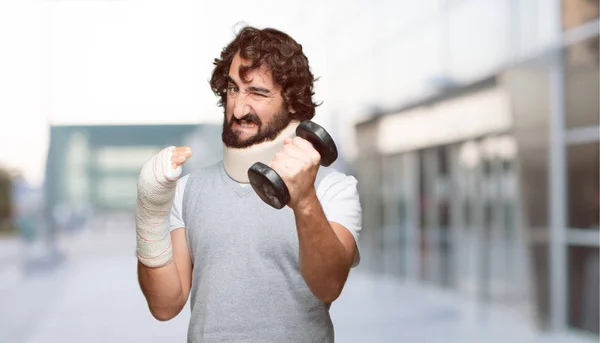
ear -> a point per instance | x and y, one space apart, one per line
291 110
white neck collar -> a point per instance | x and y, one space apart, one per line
238 161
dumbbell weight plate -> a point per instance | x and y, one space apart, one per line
320 139
268 185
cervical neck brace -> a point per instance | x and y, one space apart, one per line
238 161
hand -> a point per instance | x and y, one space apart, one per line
180 155
157 181
297 164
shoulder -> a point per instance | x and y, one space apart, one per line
182 182
192 177
205 170
339 198
335 182
203 173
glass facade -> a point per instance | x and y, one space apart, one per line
583 192
581 83
583 287
582 152
507 216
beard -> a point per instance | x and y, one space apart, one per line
264 133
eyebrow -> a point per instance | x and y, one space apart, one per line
255 89
230 80
259 90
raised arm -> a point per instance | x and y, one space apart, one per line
327 250
167 288
328 246
164 263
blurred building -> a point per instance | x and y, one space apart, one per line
95 168
488 186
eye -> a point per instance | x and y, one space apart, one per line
232 89
260 95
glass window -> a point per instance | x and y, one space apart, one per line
583 191
393 224
582 78
444 187
583 288
370 192
424 204
540 257
400 194
444 197
469 159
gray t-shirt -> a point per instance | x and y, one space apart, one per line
246 284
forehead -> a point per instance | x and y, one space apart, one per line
255 77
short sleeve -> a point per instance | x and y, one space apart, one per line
338 194
176 216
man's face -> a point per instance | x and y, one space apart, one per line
255 110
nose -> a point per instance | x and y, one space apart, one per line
241 107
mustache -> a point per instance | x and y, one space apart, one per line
249 118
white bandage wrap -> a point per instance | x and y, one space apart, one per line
238 161
156 189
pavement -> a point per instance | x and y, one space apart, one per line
93 296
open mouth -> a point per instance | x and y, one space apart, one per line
247 124
244 125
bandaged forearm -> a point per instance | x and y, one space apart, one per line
156 189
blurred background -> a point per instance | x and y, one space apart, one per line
471 125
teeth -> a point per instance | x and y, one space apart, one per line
247 125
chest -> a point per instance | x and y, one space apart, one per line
225 225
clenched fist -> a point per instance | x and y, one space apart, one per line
297 164
179 155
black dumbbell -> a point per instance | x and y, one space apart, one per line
268 184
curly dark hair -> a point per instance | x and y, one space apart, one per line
282 55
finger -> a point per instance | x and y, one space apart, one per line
177 160
286 164
302 143
308 148
187 151
286 169
179 156
294 152
184 150
279 168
